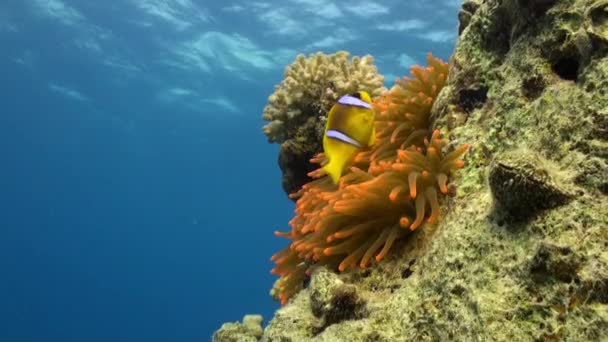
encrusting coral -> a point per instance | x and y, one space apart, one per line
297 109
391 190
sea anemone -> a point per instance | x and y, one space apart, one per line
390 190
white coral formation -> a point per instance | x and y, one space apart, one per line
312 85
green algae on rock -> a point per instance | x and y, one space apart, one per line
249 330
523 184
542 68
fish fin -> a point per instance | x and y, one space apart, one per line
372 137
334 169
334 152
340 155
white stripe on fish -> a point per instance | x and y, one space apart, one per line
353 101
332 133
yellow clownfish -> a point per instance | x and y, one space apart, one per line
349 129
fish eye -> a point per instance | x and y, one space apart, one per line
357 95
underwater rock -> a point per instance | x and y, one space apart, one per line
552 261
465 14
522 186
472 98
543 69
535 8
594 173
250 330
333 301
295 155
532 87
322 287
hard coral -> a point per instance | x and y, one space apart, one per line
312 85
297 110
389 192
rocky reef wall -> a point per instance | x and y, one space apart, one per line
521 251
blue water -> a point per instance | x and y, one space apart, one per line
138 195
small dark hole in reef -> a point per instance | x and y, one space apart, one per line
470 99
458 290
496 38
604 188
599 15
465 14
600 127
406 273
394 288
306 281
532 87
470 6
537 7
565 251
374 336
566 68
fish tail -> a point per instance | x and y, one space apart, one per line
334 169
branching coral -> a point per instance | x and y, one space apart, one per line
389 192
297 110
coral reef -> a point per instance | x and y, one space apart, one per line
332 301
250 330
298 108
527 91
384 197
523 184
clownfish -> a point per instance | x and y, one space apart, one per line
349 129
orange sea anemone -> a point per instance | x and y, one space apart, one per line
390 190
